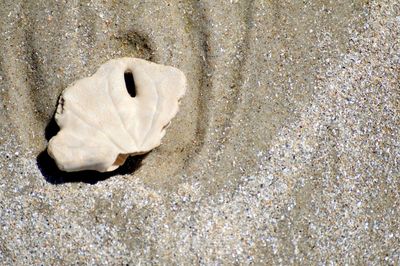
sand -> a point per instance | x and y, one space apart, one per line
285 150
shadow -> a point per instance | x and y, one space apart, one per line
51 129
55 176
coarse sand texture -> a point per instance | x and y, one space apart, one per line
285 149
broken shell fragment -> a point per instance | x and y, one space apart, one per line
122 110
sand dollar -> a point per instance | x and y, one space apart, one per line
122 110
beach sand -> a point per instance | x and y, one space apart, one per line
285 149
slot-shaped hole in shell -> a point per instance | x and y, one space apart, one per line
130 83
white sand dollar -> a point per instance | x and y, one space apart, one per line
101 123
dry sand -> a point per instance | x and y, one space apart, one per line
285 150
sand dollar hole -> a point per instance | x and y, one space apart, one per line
130 83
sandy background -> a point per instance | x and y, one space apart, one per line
285 150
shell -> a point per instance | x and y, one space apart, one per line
101 124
